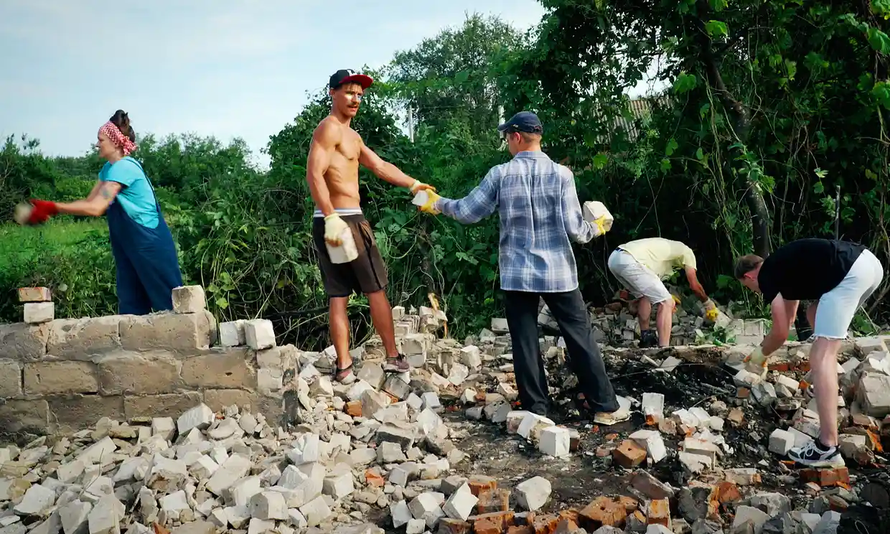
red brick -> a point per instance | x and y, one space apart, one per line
487 526
453 526
743 393
524 529
374 479
629 454
659 512
727 492
498 521
603 511
837 503
566 526
546 524
736 417
354 408
826 477
491 501
478 483
630 504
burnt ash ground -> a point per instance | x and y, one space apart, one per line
698 381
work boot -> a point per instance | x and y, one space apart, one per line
648 339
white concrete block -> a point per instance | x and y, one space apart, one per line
189 299
781 441
471 357
39 312
460 504
652 441
231 333
430 401
259 334
164 427
37 501
399 513
106 515
268 505
426 506
653 405
199 417
339 484
533 493
554 442
316 511
231 471
74 516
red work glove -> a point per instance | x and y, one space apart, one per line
43 210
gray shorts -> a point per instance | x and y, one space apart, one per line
638 278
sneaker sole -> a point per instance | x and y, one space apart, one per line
820 463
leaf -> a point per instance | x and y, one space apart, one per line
821 173
718 5
705 108
699 154
881 93
716 28
671 147
462 77
665 164
600 161
818 188
878 40
222 302
685 82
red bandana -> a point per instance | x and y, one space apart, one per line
119 139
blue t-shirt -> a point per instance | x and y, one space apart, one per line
136 196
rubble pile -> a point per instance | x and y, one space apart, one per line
702 453
616 325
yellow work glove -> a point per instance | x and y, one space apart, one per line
600 225
334 227
430 205
756 358
711 311
420 186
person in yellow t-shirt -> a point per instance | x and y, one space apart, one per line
641 266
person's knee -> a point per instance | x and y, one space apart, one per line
338 304
811 314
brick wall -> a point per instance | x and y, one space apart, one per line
65 374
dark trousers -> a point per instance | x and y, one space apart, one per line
583 356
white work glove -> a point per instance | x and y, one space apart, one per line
333 229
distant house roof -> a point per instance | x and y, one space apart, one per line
640 108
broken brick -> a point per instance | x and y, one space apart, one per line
727 492
453 526
736 416
566 526
571 514
497 521
630 504
602 511
629 454
659 512
374 479
546 524
354 408
743 393
837 503
491 501
479 483
523 529
826 477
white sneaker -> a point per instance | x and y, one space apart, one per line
813 456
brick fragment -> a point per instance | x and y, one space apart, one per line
602 511
826 477
34 294
629 454
354 408
736 417
837 503
523 529
374 479
727 492
478 483
454 526
491 501
545 524
659 512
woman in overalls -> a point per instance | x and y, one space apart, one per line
143 249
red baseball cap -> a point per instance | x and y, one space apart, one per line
349 76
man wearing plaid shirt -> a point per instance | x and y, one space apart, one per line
539 215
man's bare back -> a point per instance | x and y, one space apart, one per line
344 146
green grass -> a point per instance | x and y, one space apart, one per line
24 244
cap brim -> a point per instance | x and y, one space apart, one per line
503 127
361 79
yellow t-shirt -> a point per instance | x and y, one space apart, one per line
660 255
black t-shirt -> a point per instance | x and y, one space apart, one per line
806 269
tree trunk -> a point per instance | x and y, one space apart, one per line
741 122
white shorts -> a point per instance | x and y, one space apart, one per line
837 307
636 277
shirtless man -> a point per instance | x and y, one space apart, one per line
332 172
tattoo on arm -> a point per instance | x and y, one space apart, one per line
106 194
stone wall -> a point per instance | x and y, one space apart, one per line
65 374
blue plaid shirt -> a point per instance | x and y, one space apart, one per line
539 212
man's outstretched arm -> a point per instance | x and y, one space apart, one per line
324 142
694 284
480 203
388 172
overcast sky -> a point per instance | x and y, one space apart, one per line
228 68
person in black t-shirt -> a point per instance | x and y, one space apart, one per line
839 276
